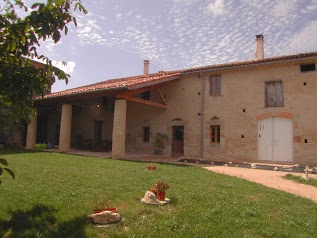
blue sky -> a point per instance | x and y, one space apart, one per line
114 38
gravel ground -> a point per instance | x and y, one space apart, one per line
272 179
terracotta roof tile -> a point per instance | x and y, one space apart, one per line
112 84
134 80
245 63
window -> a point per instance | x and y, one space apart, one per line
274 94
307 67
98 130
215 85
146 134
215 134
145 95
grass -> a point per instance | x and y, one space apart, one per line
300 179
53 193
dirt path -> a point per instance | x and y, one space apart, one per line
272 179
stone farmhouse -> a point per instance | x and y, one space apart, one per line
260 110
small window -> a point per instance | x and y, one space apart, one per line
215 134
307 67
274 94
146 134
146 95
215 85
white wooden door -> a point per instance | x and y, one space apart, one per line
265 142
275 139
283 139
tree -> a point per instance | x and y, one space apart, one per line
21 77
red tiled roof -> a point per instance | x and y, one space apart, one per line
119 83
246 63
113 84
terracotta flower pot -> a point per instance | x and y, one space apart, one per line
112 209
160 196
98 210
151 167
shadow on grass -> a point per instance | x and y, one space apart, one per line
155 162
40 221
12 150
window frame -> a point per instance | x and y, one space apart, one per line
146 134
269 93
307 67
215 85
215 131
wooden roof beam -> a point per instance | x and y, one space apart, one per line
142 101
161 95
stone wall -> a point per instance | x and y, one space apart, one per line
83 121
183 108
237 111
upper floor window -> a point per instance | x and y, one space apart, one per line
274 94
307 67
145 95
215 85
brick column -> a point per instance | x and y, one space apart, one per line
31 132
66 127
119 128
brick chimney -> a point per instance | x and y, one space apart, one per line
146 67
259 53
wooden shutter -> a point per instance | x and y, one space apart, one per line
215 85
274 94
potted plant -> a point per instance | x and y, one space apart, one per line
159 189
104 207
159 143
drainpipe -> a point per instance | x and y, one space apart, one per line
202 115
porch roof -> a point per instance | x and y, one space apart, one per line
127 83
134 82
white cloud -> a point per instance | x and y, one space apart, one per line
305 40
68 68
118 16
185 2
311 7
188 34
89 31
284 8
256 4
86 29
217 7
49 45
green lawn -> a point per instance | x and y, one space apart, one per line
53 193
300 179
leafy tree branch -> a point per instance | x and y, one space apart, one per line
21 77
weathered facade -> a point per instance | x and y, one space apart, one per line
257 110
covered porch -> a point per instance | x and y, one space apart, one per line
100 121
